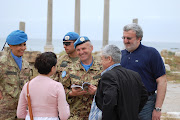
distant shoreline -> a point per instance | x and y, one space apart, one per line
38 45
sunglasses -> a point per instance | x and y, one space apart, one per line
67 43
129 38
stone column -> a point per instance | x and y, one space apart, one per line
77 17
135 20
106 23
49 46
22 26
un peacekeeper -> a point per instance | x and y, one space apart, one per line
86 69
69 58
14 73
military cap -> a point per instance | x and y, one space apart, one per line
16 37
81 40
71 36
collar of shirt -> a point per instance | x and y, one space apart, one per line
110 67
18 60
86 67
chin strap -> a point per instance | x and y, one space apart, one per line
3 46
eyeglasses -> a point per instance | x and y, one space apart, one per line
129 38
67 43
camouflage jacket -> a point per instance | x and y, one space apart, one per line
76 74
11 83
63 63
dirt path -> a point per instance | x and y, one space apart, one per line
171 104
172 99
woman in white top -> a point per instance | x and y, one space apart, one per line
48 98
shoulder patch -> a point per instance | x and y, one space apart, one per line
63 74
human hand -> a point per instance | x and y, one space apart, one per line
156 115
77 92
92 89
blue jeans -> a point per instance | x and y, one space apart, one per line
146 112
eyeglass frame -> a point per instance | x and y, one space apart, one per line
67 43
128 38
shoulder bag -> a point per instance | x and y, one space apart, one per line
29 102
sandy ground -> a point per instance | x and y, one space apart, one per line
171 104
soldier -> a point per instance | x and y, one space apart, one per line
86 69
14 73
70 56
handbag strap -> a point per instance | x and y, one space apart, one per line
29 102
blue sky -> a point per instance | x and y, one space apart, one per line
159 19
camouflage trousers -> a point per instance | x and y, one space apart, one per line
8 115
8 109
78 114
77 118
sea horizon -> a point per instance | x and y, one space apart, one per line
38 45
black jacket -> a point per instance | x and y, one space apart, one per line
120 95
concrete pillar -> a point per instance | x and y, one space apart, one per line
77 17
49 46
106 23
22 26
135 20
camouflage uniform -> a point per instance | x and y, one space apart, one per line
80 105
11 83
62 65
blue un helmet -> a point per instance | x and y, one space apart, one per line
71 36
81 40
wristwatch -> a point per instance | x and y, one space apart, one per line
158 109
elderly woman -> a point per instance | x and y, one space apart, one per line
48 98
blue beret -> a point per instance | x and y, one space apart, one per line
16 37
81 40
71 36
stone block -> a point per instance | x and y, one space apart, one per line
168 68
163 59
177 54
30 56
